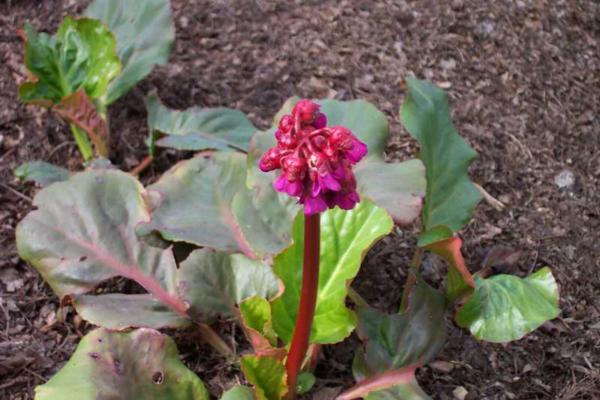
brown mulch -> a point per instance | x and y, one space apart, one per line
524 81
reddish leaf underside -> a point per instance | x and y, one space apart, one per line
460 280
380 381
78 109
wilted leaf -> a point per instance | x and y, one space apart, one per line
78 109
214 283
210 191
267 375
198 128
345 238
505 307
142 364
145 33
398 187
41 172
81 55
82 234
451 197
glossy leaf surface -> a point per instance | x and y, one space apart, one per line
505 307
82 54
345 238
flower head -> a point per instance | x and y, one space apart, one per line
315 160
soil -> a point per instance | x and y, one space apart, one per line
524 82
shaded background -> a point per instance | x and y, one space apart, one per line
524 82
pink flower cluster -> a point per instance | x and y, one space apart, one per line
315 160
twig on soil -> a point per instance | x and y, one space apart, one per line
492 201
16 193
357 298
142 165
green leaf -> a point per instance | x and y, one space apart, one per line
121 311
306 381
214 283
505 307
82 234
345 238
451 197
267 374
398 340
238 393
211 191
256 316
41 173
81 55
198 128
145 34
398 187
142 364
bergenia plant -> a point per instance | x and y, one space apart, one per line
270 231
92 61
316 166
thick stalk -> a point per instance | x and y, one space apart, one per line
308 302
81 138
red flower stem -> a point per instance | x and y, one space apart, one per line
308 302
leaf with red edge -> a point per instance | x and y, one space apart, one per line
79 110
399 384
210 191
460 282
82 234
258 324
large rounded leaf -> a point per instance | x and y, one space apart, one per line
82 234
213 283
345 238
210 191
505 307
398 340
451 197
197 128
145 33
142 364
398 187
